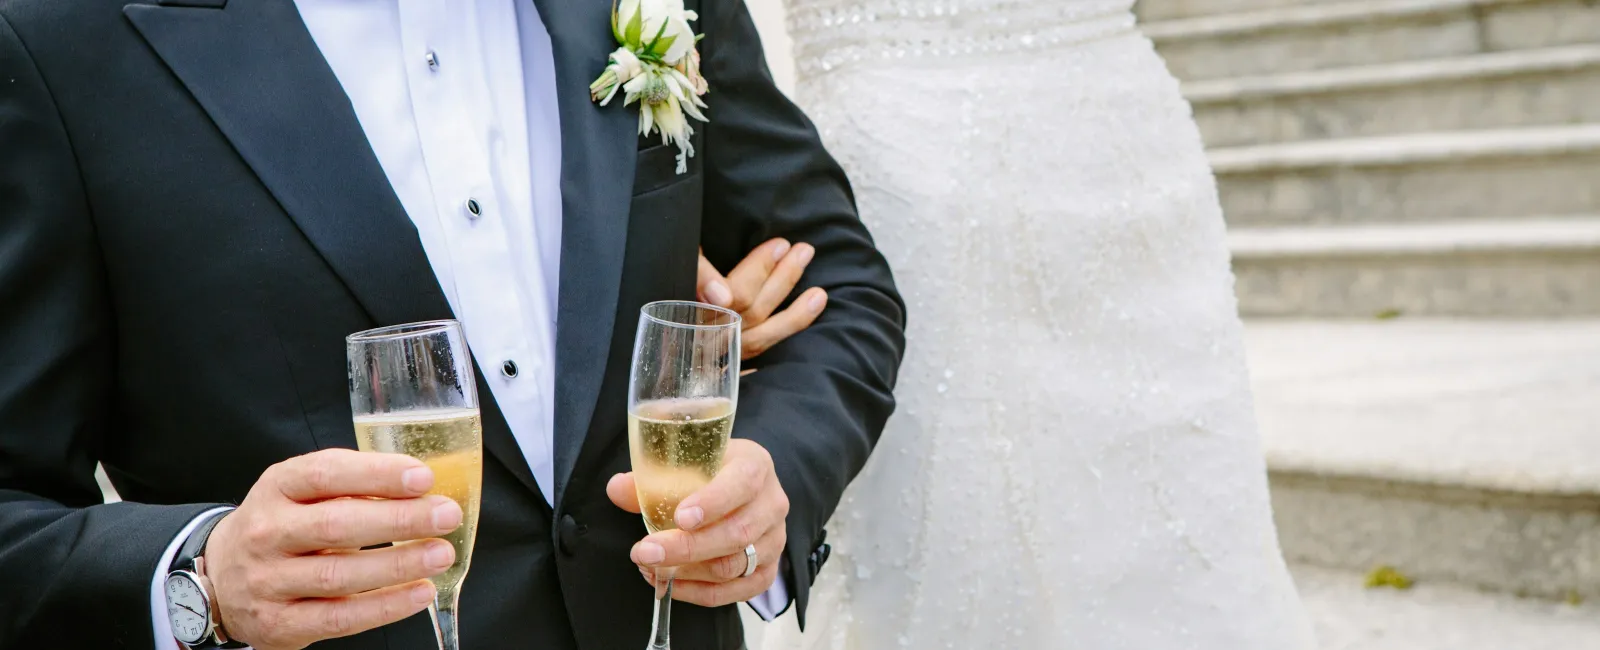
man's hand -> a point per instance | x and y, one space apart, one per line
285 564
757 286
743 505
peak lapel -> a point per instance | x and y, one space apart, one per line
598 146
254 68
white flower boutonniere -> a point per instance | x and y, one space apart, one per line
658 66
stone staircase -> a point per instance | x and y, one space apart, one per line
1413 196
1443 151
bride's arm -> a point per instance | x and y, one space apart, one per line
822 396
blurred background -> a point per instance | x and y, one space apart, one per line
1412 189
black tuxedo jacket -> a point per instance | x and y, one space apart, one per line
191 220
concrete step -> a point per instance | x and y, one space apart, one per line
1413 178
1508 268
1432 616
1365 32
1547 86
1464 452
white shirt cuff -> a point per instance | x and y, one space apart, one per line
158 593
772 603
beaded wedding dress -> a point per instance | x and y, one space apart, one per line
1074 464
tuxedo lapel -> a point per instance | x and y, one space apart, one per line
254 68
598 146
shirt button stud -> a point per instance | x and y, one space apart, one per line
432 59
509 369
474 211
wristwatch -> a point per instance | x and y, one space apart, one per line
191 603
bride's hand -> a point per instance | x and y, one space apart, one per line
757 286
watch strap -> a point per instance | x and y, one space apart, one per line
195 545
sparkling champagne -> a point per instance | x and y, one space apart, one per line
450 442
677 447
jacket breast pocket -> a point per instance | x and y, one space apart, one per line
664 240
657 168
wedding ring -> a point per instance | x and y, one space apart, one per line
749 561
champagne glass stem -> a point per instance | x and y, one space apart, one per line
444 621
661 627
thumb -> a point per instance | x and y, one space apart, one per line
623 493
711 286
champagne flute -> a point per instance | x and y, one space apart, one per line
413 392
681 398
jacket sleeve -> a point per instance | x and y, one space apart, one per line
821 398
75 571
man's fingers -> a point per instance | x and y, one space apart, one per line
725 537
731 566
622 491
742 477
759 522
328 618
331 575
779 284
804 311
750 275
711 286
334 473
717 594
358 523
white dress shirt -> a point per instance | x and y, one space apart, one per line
458 100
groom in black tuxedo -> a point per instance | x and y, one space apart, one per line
192 218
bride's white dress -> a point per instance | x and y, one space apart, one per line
1075 462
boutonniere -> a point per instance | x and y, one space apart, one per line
658 66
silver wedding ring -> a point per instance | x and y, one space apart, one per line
749 560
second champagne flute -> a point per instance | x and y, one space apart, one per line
413 392
681 398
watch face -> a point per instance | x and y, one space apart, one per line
186 608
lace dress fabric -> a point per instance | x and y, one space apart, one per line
1075 463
